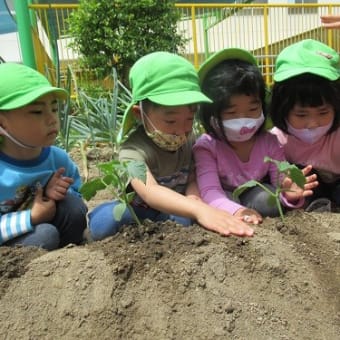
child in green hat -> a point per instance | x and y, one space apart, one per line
305 109
39 200
157 129
232 150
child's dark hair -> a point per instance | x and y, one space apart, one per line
306 90
231 77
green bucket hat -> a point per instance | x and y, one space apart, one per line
21 85
165 79
225 54
307 56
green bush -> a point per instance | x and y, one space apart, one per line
116 33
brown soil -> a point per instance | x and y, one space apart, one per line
163 281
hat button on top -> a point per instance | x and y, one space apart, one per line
323 54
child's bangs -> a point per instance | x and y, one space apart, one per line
310 95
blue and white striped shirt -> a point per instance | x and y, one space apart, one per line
18 182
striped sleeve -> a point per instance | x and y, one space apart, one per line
14 224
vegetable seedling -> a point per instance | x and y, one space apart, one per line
283 168
116 177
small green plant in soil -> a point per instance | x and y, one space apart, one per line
116 177
283 168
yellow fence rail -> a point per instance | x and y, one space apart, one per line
263 29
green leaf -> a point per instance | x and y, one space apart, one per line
240 189
90 189
108 167
137 169
130 196
290 170
284 166
297 176
279 164
119 210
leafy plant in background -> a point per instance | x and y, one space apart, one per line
92 118
92 115
284 168
115 33
116 177
97 119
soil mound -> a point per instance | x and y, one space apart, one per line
163 281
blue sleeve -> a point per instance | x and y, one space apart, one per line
14 224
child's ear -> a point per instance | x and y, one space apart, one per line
136 112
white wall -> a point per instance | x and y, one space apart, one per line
10 47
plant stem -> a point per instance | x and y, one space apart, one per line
135 217
278 203
132 211
277 198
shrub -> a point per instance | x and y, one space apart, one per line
116 33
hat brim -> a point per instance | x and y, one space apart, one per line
128 122
179 98
292 72
226 54
31 96
166 99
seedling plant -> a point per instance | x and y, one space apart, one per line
284 168
116 177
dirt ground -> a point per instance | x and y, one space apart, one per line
163 281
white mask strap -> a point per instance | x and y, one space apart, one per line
14 140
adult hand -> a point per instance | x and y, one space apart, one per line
58 185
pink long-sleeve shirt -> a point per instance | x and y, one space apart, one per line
219 170
323 155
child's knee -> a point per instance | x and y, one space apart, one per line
46 236
101 222
184 221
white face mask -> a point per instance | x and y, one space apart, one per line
309 136
241 129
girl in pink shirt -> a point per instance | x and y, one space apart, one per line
232 150
305 109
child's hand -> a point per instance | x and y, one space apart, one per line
58 185
330 21
43 209
222 222
295 193
249 215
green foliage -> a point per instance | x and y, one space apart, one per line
116 177
64 138
290 170
115 33
283 168
93 117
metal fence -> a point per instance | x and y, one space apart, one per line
263 29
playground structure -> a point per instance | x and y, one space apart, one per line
263 29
